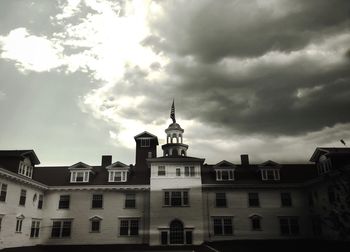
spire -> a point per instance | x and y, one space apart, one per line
172 112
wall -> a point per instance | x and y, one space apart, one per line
10 209
270 208
161 216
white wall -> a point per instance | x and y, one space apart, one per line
80 211
161 216
10 209
270 209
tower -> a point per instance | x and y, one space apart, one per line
174 145
146 147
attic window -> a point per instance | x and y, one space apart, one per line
117 176
324 165
224 174
145 142
79 176
25 169
270 174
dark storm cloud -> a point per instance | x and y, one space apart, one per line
303 95
211 30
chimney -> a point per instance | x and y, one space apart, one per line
106 160
245 159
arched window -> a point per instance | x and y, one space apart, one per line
176 232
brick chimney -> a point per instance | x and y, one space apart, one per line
106 160
245 159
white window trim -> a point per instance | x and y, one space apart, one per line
145 142
112 175
25 170
231 174
182 197
73 176
222 225
158 169
129 226
275 172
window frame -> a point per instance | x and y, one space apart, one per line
62 205
19 225
61 228
230 174
161 171
251 199
40 201
286 201
223 200
130 200
3 192
112 175
35 229
288 225
22 197
169 198
274 176
219 221
253 220
97 203
145 142
129 231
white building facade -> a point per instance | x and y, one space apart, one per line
168 200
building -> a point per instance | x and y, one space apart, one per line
172 199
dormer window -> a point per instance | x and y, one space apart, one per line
79 176
117 176
25 168
270 174
80 173
324 165
270 171
117 172
224 174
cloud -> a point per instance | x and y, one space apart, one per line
30 52
243 73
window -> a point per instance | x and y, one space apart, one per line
178 172
176 198
150 154
270 174
117 176
289 225
34 230
130 200
95 224
61 228
64 202
316 225
3 192
25 168
286 199
161 170
97 201
331 195
145 142
220 199
223 226
40 202
256 222
129 227
324 165
253 199
19 223
190 171
224 174
22 198
79 176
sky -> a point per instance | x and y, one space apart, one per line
268 78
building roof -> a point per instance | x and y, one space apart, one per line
60 176
289 173
21 153
326 150
172 159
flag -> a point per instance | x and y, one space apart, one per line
172 112
342 141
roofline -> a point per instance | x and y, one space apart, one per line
281 185
14 176
100 187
